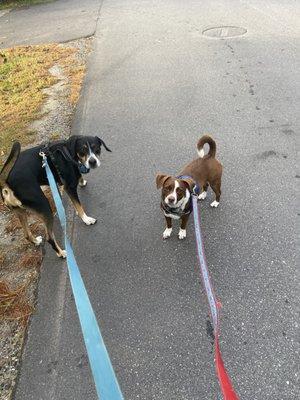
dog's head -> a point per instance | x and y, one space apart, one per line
174 191
86 149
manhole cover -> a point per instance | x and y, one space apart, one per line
220 32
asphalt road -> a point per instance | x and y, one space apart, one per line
154 85
58 21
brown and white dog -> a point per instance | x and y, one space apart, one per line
176 201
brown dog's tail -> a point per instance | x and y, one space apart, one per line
212 146
9 164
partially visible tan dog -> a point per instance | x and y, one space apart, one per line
176 202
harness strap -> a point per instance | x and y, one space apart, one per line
176 211
48 153
66 155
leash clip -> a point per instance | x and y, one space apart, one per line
43 155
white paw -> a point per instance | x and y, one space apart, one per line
38 240
167 233
82 183
202 195
88 220
62 254
214 204
182 234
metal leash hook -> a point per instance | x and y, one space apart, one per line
43 155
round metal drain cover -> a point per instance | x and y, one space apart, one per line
220 32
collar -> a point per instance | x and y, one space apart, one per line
83 169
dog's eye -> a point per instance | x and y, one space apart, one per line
169 188
81 153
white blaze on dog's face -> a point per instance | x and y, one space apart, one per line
89 155
93 156
172 198
88 150
175 192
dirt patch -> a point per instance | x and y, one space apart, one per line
60 78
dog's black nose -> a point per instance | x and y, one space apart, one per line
171 199
92 162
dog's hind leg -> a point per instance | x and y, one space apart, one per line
39 204
48 220
203 193
22 215
216 187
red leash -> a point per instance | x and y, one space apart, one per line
224 380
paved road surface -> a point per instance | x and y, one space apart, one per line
154 85
58 21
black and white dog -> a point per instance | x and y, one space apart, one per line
22 176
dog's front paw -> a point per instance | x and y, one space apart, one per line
182 234
89 220
38 240
214 204
82 182
167 233
202 195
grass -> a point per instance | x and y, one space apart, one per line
24 73
4 4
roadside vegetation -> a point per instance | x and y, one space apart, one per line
24 73
39 89
4 4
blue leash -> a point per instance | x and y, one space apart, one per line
104 377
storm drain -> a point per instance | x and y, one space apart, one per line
220 32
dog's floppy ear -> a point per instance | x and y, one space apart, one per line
161 179
101 142
71 145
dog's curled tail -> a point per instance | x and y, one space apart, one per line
9 164
212 146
